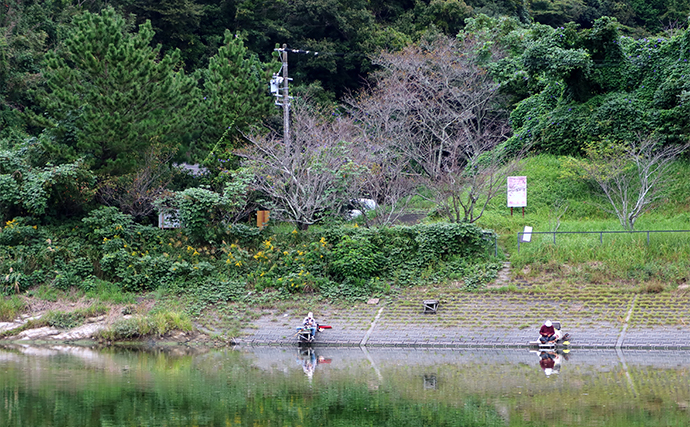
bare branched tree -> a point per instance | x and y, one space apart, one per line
135 193
385 178
308 179
435 105
631 175
388 177
556 212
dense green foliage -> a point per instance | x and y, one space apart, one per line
574 86
339 262
345 33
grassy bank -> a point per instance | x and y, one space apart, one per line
623 261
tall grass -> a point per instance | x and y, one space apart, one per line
610 258
156 324
108 292
10 308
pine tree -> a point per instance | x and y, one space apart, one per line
111 90
236 96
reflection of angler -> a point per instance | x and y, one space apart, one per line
547 362
310 361
550 362
309 364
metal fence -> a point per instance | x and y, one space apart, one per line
521 234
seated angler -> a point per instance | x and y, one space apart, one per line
547 333
310 323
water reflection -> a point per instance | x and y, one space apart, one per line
308 359
181 386
550 361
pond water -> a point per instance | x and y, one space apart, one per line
61 385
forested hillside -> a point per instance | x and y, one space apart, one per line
346 33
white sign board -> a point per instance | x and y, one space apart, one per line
517 191
527 234
168 220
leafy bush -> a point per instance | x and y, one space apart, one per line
198 212
109 223
356 258
53 189
444 240
18 232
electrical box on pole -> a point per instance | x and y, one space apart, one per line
276 83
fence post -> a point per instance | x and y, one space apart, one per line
647 237
518 242
601 238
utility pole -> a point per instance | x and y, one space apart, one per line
286 99
282 93
279 89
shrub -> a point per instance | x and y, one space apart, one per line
356 258
18 232
109 223
444 240
199 213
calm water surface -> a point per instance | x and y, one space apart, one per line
79 386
